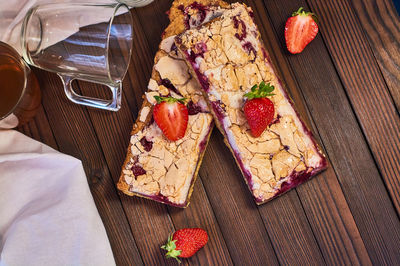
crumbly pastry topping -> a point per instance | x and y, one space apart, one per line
156 167
159 166
228 59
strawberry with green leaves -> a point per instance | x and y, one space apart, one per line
300 29
171 116
184 243
258 109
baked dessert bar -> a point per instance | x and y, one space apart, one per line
228 59
155 167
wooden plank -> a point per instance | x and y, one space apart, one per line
155 222
365 87
381 25
200 214
331 221
234 207
153 20
39 129
290 232
141 65
75 136
343 140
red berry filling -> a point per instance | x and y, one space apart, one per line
218 110
167 83
147 145
191 57
193 108
191 21
239 24
199 50
250 48
138 170
286 147
174 48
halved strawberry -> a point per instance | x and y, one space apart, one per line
171 116
300 30
259 110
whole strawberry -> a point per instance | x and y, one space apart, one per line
184 243
258 109
171 116
300 29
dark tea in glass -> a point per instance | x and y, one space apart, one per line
20 95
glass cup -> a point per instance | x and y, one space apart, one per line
89 42
20 96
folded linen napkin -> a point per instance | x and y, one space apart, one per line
47 213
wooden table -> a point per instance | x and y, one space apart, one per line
345 84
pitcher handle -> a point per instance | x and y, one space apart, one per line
112 105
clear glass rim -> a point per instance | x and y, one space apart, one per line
17 57
25 53
117 6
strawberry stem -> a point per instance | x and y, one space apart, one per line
298 12
263 91
170 247
160 99
301 12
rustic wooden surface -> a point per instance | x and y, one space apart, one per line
345 85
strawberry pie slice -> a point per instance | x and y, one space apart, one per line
272 146
171 132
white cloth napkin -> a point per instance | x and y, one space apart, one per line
47 213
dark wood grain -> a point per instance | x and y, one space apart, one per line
201 214
381 24
365 87
75 136
346 215
234 207
141 64
343 140
38 129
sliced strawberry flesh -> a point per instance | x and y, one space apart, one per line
172 119
300 30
